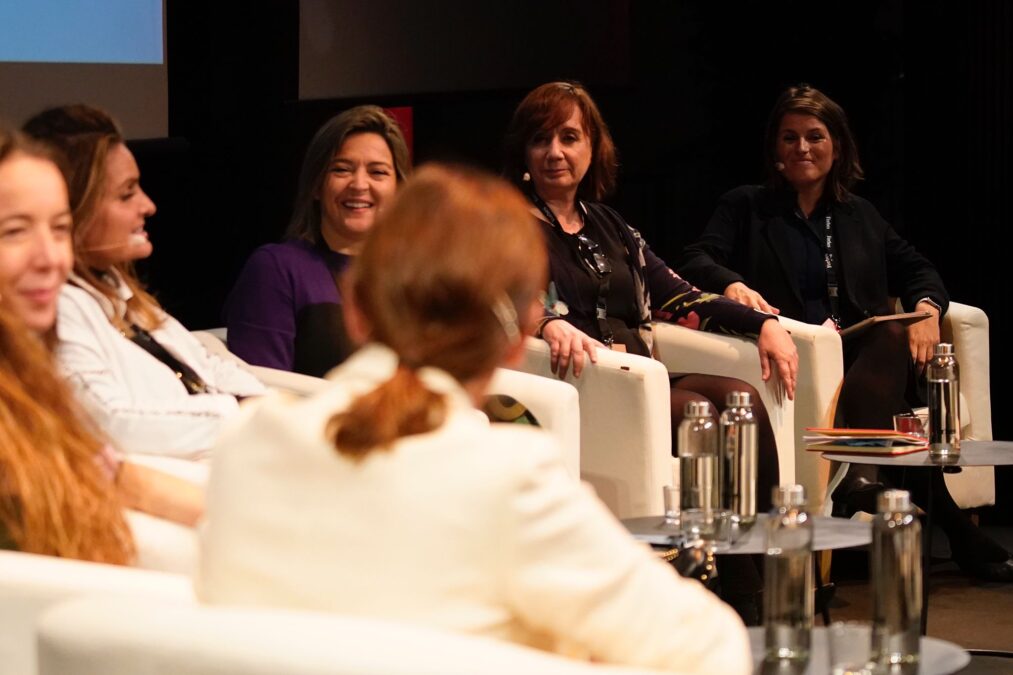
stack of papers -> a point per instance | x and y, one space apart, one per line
864 441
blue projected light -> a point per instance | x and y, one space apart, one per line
79 31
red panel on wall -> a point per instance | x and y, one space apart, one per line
403 116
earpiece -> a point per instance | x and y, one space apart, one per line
779 166
132 240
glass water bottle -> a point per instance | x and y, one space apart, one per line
788 578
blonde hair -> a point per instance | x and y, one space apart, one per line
442 279
54 497
83 136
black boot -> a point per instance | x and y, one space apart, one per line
857 491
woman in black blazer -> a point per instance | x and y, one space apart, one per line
804 246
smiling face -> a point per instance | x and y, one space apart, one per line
35 239
358 185
558 159
116 233
806 149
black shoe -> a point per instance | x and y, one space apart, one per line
746 605
999 572
855 493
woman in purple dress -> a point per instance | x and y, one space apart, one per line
285 309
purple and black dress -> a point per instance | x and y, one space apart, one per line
285 310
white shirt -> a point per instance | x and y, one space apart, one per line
133 397
471 527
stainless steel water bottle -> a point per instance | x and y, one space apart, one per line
788 578
739 443
896 577
699 494
943 375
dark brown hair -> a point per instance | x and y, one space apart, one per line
83 136
545 108
806 100
468 262
305 222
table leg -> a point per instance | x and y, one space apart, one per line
824 594
926 558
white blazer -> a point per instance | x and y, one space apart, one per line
135 398
471 527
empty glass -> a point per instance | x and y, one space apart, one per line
849 645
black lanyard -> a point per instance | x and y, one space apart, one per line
828 259
187 376
603 277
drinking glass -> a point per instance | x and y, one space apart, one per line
908 423
850 647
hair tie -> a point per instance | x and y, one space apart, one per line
504 311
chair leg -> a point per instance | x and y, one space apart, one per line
824 591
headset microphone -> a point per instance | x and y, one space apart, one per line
132 240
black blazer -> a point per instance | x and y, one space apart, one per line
746 240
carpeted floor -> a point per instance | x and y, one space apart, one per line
972 614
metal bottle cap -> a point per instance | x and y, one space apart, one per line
944 349
893 501
789 495
698 409
739 399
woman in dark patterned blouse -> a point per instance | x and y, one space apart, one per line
559 151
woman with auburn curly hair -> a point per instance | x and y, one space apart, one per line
62 491
398 500
149 384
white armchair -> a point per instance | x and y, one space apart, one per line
554 404
691 351
29 584
821 373
106 636
625 413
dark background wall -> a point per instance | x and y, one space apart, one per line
928 86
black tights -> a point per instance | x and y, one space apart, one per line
879 382
739 574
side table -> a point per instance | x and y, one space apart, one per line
972 453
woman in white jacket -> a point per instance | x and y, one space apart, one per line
388 495
146 381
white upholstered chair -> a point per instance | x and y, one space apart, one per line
554 404
29 584
821 373
625 418
112 636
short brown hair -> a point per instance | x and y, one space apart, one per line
806 100
548 106
363 119
83 136
469 262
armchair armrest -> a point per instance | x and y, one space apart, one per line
966 327
625 427
31 583
683 350
555 405
294 383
